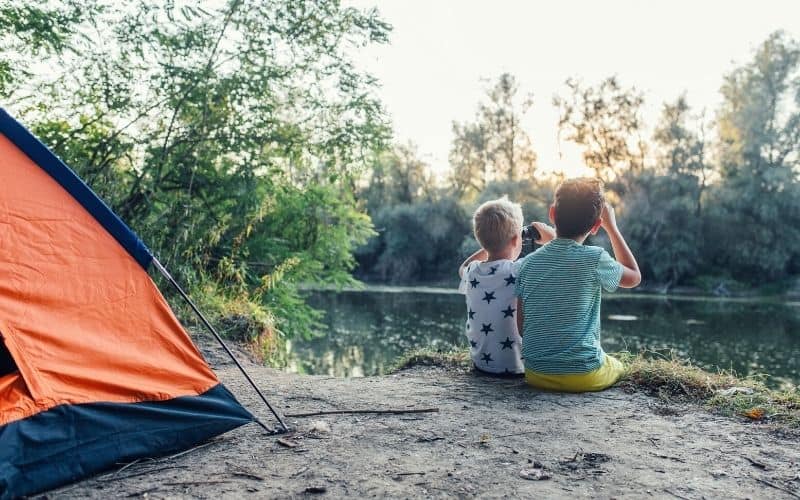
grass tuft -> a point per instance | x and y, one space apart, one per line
430 357
722 392
672 380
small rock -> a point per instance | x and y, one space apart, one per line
534 474
318 427
288 443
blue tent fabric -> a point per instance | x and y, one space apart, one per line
70 442
64 175
7 364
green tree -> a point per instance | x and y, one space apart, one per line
228 136
419 227
495 146
469 159
36 29
605 121
663 206
755 214
681 151
394 177
419 242
759 121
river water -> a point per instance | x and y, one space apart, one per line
368 330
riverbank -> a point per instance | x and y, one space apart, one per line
787 290
365 332
488 438
674 381
791 298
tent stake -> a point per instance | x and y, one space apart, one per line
210 328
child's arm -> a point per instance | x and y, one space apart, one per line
546 232
479 255
630 269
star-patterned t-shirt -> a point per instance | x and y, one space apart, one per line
491 316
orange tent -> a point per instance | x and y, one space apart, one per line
95 369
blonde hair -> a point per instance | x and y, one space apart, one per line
496 222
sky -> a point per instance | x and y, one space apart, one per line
441 52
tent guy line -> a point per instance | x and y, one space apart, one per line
163 270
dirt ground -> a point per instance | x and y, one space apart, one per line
490 438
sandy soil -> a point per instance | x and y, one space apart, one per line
486 436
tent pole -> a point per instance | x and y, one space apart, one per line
210 328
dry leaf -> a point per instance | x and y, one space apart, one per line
754 413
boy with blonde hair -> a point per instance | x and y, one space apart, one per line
559 287
488 278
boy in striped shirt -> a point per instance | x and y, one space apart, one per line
559 288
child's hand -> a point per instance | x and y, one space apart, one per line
546 232
608 218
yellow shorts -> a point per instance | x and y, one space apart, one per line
602 378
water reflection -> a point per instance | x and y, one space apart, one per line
367 332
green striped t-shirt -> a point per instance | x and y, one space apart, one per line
560 286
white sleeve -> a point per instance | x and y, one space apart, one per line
462 286
517 265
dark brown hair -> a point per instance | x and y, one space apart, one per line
578 205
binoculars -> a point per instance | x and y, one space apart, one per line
530 232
